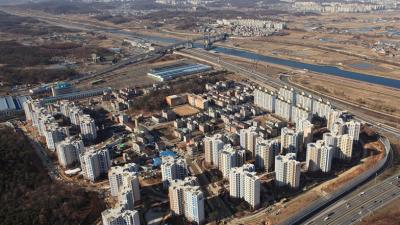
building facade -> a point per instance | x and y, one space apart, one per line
287 171
289 141
245 185
212 146
172 169
266 150
248 139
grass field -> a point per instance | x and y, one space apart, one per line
185 110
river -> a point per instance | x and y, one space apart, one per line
321 69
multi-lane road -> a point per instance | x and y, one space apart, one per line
360 205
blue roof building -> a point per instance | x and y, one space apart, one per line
173 73
168 153
10 106
156 162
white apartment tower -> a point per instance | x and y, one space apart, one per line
177 195
230 158
55 134
120 216
248 140
319 156
342 144
131 180
287 171
306 101
266 150
321 109
283 108
65 106
353 130
30 105
289 141
173 169
95 163
115 176
212 146
126 199
68 151
74 114
288 94
333 116
36 114
88 128
265 99
245 185
43 123
299 111
306 128
194 204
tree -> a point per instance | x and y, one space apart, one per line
214 179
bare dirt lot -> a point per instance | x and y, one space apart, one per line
185 110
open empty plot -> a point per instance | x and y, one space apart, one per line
185 110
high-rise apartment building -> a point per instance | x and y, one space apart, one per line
88 128
306 101
178 204
288 94
334 116
283 108
265 99
172 169
319 156
131 180
289 141
342 144
54 134
30 105
120 216
306 129
287 171
194 204
212 146
116 175
339 127
245 185
353 130
95 163
68 151
266 150
230 158
248 140
126 199
299 111
321 109
75 113
43 123
65 106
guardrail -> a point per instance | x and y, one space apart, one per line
341 190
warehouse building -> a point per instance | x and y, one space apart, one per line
10 106
78 95
176 72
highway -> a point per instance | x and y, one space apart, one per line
382 193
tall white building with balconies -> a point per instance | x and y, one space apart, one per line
120 216
265 99
342 144
353 130
43 123
248 140
289 141
299 111
288 94
75 113
95 163
334 116
172 169
55 134
178 204
36 114
283 108
321 109
68 151
212 146
30 105
230 158
266 150
306 130
319 156
65 106
306 101
126 199
116 175
194 204
287 171
88 128
245 185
